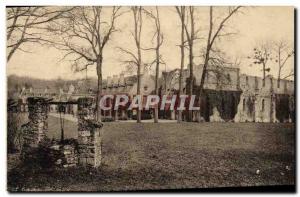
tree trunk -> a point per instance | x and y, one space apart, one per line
98 97
137 35
278 80
99 89
191 81
138 118
279 68
182 18
264 74
156 81
206 61
191 59
157 69
202 81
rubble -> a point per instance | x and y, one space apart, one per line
216 116
64 154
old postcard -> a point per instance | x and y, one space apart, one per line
150 98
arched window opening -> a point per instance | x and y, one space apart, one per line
263 105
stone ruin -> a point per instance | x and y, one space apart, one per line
85 151
215 117
64 154
89 139
34 132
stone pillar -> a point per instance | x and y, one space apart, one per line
89 139
35 130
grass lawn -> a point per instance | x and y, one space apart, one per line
169 156
54 128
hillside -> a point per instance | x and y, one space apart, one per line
15 83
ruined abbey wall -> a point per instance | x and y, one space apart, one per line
260 101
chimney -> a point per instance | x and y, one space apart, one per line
122 79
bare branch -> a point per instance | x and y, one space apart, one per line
128 53
24 25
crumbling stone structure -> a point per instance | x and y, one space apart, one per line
85 151
34 132
64 154
263 101
89 139
236 97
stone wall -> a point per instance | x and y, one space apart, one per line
264 103
89 139
219 103
64 154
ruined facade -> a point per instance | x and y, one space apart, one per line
227 96
231 96
265 101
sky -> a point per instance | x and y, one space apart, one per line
253 26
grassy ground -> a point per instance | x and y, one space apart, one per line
169 156
54 128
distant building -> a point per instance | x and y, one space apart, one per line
227 96
231 96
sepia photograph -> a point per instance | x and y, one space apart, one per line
150 98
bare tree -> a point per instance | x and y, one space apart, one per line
214 32
191 37
218 62
262 55
83 36
283 53
27 24
181 12
158 59
136 59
